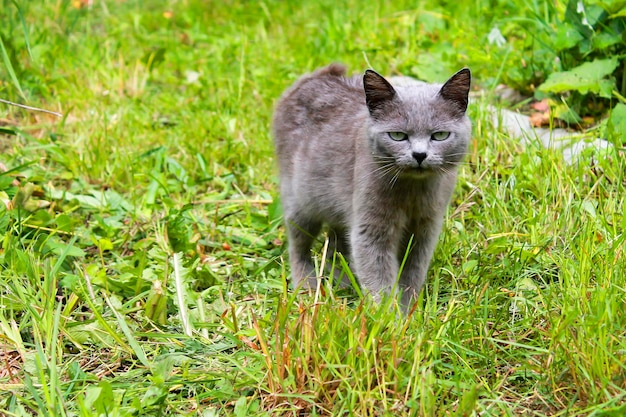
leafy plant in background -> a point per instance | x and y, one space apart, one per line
590 44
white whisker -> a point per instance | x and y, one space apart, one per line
395 177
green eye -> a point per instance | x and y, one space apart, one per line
440 135
398 136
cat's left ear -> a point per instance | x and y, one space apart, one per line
378 91
456 89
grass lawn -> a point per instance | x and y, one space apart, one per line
143 268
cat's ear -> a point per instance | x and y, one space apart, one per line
378 91
456 89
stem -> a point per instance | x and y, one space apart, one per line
623 90
23 106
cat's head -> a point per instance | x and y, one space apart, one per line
417 129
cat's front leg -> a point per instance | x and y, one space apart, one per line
422 245
374 248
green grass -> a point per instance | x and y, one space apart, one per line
142 261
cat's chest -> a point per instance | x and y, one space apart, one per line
414 198
415 206
401 208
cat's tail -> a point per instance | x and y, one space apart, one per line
334 69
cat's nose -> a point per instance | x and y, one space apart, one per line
419 157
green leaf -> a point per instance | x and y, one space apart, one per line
89 332
275 211
243 237
614 8
617 121
4 218
433 66
468 401
62 248
585 78
64 222
92 393
6 182
621 13
566 37
469 266
241 407
590 208
604 40
103 399
154 395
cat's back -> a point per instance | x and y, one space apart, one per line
323 100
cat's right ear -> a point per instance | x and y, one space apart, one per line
378 91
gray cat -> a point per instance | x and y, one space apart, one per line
377 164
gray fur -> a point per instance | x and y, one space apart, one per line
339 167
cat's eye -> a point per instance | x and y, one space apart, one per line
440 135
398 135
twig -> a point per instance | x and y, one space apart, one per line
30 107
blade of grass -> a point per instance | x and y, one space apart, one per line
9 67
180 292
136 347
24 28
90 300
34 392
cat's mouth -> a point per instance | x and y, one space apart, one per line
418 172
